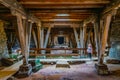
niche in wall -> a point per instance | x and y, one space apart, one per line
60 39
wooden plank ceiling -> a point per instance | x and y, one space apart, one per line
63 10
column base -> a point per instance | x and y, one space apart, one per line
24 71
102 69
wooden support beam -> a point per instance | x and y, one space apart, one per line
81 39
84 35
28 37
16 8
104 37
21 34
90 19
14 5
114 5
35 38
97 36
39 34
42 37
47 36
76 37
58 49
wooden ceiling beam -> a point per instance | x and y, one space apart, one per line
82 11
14 5
63 6
61 20
62 14
33 2
114 5
17 9
63 17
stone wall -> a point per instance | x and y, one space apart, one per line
115 50
115 40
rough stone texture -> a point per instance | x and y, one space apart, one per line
101 69
62 63
115 50
113 61
115 37
24 71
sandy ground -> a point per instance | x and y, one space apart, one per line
84 71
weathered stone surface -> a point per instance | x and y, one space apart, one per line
24 71
115 50
102 69
63 64
113 61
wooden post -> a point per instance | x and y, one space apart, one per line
84 36
28 37
104 37
101 67
42 39
39 34
35 38
76 38
81 39
22 38
97 37
46 39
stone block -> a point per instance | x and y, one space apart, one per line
113 61
102 69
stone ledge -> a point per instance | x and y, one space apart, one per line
113 61
102 69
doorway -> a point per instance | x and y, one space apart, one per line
60 40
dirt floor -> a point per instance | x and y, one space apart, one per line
84 71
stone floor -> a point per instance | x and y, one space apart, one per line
84 71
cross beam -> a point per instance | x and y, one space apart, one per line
17 8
